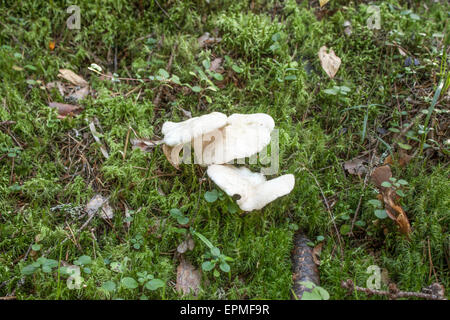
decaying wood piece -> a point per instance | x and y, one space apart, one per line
304 268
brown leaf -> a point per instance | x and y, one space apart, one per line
316 253
188 278
396 212
145 145
173 155
65 109
72 77
216 65
381 174
355 166
323 2
206 40
329 61
404 158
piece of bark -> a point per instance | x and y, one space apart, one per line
304 267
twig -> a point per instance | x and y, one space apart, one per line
126 144
393 293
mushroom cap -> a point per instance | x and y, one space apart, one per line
176 133
243 136
255 191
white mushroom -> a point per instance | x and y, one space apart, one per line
243 136
253 188
176 133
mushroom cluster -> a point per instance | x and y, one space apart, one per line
218 140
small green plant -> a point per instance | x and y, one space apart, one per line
177 214
137 241
43 264
214 257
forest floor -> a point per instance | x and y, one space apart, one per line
387 105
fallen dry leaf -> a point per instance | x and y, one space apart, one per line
72 77
145 145
329 61
65 109
323 2
216 65
381 174
97 202
173 155
188 278
187 244
389 198
80 94
206 40
355 166
316 253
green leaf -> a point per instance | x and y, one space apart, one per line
83 260
225 267
211 196
36 247
196 89
183 220
129 283
345 228
87 270
375 203
404 146
109 286
360 223
237 69
155 284
215 251
414 16
386 184
290 77
320 238
163 73
206 64
403 182
400 193
175 213
322 292
28 270
218 76
208 265
381 214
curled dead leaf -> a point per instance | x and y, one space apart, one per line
329 61
173 154
316 253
